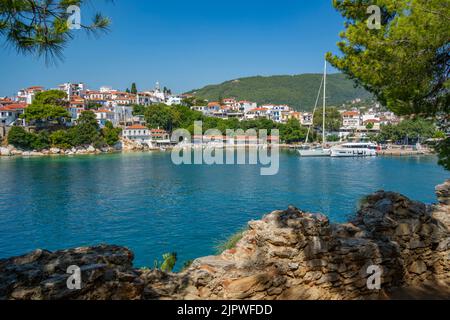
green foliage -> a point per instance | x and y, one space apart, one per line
47 108
133 88
169 261
407 130
405 63
439 135
194 101
230 242
62 139
138 109
370 126
40 27
187 265
20 138
160 116
333 119
87 129
293 131
444 153
333 138
86 132
297 91
93 106
110 134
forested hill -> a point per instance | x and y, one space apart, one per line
298 91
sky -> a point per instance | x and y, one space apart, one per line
185 44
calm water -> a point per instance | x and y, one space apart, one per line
146 203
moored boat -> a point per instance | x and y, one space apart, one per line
358 149
319 151
314 152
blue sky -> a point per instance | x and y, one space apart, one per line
186 44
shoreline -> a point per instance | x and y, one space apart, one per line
11 152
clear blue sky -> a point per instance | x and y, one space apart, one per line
186 44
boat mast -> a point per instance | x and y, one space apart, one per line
324 101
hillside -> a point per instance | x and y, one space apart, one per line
298 91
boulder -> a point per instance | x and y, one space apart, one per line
5 152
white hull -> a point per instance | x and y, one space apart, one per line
315 153
358 152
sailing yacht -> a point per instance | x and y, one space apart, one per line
308 151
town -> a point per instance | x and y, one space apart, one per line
121 109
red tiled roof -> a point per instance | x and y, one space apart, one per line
158 130
350 113
14 106
137 126
259 109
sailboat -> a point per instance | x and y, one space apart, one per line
307 151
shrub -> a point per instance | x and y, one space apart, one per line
230 242
20 138
62 139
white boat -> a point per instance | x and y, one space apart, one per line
307 151
358 149
314 152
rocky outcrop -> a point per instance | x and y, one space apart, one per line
12 151
288 254
106 273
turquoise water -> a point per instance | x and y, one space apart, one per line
146 203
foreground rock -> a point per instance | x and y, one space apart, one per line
288 254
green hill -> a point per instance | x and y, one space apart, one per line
297 91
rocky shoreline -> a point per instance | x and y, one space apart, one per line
11 151
289 254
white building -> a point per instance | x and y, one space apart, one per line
138 133
27 95
257 113
174 100
245 106
103 116
306 118
10 113
73 89
351 119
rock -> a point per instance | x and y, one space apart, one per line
91 149
443 192
418 267
5 152
403 229
55 150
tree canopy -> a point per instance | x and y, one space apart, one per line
333 119
41 27
47 107
405 63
